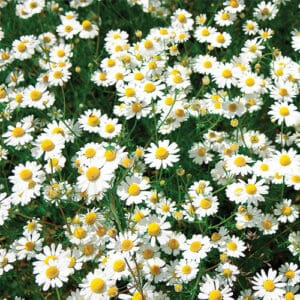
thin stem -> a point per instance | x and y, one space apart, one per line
57 294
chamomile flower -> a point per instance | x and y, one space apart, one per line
224 75
238 164
18 135
24 48
268 286
186 270
228 272
68 29
6 259
220 39
283 112
175 244
265 11
234 247
286 211
154 270
163 155
90 120
213 288
58 76
285 162
38 96
182 19
196 248
28 245
95 178
88 30
118 266
156 229
224 18
134 190
95 285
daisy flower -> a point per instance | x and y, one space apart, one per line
286 212
290 273
267 223
174 244
224 75
234 247
117 266
285 162
220 39
182 19
18 135
163 155
95 178
90 120
48 146
186 270
28 245
196 248
228 271
96 284
109 128
24 47
268 286
265 11
88 30
58 76
238 164
283 112
212 289
68 29
206 206
6 260
155 269
156 229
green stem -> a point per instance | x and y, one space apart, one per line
57 294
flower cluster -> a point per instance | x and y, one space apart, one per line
150 166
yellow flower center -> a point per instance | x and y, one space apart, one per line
196 246
90 152
60 53
87 25
161 153
279 72
173 244
29 246
227 272
283 92
234 3
97 285
46 260
216 236
152 65
119 265
79 233
148 44
93 120
138 76
21 47
109 128
101 230
112 291
68 28
31 226
110 155
127 245
240 161
148 253
134 189
266 224
251 188
250 81
181 18
19 98
269 285
18 132
58 74
138 216
169 101
295 178
284 111
177 79
90 218
92 173
136 107
186 269
225 16
205 203
205 32
129 92
155 270
72 262
149 87
25 174
285 160
289 296
207 64
226 73
47 145
286 210
35 95
232 246
102 76
290 274
221 39
52 272
215 295
153 229
5 56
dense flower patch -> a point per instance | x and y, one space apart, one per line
151 162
